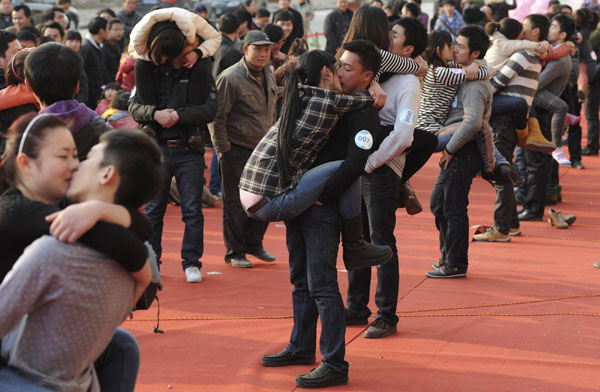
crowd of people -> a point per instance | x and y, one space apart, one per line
94 128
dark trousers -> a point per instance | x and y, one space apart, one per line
215 181
505 208
574 135
419 152
188 168
592 106
538 168
312 241
449 205
380 197
241 233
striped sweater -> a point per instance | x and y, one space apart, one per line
519 76
439 88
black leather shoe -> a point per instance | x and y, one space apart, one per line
527 215
577 165
446 272
285 358
588 152
356 319
263 255
321 377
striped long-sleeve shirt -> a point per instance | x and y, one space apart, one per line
519 76
439 88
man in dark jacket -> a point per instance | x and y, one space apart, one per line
175 101
336 25
111 50
227 55
298 30
53 72
130 17
93 60
9 46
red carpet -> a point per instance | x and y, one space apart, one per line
526 318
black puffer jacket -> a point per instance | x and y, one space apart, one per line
191 92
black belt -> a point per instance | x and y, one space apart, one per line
259 204
171 142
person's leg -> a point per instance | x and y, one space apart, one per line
545 100
295 201
189 175
535 195
436 205
421 149
456 181
215 183
12 380
118 365
522 169
515 107
380 193
234 217
321 229
155 209
505 209
303 340
592 106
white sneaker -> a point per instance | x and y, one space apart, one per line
560 157
193 275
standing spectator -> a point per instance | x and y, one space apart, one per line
250 7
501 8
285 21
21 17
9 46
73 41
27 39
107 14
227 55
93 60
450 19
261 19
111 50
336 25
247 94
305 8
5 14
53 30
54 72
245 20
17 98
298 31
71 13
58 15
130 17
176 102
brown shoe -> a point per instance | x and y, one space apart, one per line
556 218
408 198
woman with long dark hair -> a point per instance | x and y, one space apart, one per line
277 184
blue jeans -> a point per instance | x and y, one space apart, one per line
380 195
215 182
289 204
515 106
118 365
449 202
12 380
188 168
312 241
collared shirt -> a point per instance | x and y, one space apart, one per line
320 111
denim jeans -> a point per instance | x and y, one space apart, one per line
188 168
312 241
293 202
521 167
215 182
118 365
241 233
380 195
514 106
505 208
12 380
449 205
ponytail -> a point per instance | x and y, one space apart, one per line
287 121
491 28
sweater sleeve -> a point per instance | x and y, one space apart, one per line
515 65
557 53
509 46
343 103
474 106
455 76
401 137
394 63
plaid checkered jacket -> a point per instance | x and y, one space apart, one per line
320 110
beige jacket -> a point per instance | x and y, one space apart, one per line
188 22
244 113
502 48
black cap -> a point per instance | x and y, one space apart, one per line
256 37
